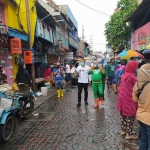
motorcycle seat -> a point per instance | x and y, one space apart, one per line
26 95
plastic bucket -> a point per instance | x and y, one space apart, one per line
47 85
44 91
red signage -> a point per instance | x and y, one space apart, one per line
15 45
141 38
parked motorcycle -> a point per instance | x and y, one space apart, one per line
12 106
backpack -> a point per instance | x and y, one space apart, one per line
139 92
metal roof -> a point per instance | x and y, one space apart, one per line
141 11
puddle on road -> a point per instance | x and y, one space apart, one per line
40 116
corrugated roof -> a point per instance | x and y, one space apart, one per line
140 11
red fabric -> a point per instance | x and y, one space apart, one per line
125 104
130 69
47 72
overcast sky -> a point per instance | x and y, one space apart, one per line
93 22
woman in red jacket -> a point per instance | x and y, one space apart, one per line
126 106
48 75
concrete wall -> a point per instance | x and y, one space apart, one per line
62 30
134 39
67 12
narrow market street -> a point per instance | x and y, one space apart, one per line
60 125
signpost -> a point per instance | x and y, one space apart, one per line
68 55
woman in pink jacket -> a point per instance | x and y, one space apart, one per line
126 106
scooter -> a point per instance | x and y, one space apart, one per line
11 107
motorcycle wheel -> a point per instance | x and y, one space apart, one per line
28 109
6 130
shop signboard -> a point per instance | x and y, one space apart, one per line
68 55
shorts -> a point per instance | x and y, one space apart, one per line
111 80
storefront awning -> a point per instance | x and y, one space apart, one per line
141 11
18 34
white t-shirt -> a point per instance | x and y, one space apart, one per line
83 74
67 68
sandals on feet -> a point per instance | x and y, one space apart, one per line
132 138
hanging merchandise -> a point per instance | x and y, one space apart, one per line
15 45
17 60
28 57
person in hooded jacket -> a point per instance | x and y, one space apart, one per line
126 106
23 79
143 100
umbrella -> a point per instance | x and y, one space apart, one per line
147 51
129 53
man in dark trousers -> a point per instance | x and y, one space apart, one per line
83 81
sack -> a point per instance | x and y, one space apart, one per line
15 87
139 92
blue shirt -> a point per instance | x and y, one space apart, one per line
58 76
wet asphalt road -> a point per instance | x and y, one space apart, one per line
60 125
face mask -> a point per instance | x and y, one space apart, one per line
82 63
95 65
140 61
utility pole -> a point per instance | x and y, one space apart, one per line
30 42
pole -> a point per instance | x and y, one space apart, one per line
30 42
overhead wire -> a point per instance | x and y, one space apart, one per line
94 9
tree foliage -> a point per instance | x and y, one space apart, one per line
117 30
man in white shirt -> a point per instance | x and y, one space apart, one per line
83 81
67 72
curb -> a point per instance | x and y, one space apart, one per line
44 100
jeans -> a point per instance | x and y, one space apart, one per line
59 84
67 77
144 136
80 87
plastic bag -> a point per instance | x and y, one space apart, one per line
15 87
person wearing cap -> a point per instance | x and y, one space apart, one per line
67 72
97 82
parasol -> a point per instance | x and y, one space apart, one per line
128 54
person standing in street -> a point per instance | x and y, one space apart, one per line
143 100
58 73
23 79
97 83
83 81
126 106
68 72
110 73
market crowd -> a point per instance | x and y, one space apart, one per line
130 79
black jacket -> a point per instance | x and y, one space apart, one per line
23 77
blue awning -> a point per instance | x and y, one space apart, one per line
17 34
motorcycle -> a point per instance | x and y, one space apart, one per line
12 106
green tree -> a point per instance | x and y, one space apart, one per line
117 30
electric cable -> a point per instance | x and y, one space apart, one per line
94 9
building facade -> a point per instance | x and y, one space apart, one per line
140 22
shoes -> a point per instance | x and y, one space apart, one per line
102 101
58 93
78 105
86 103
96 103
62 92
